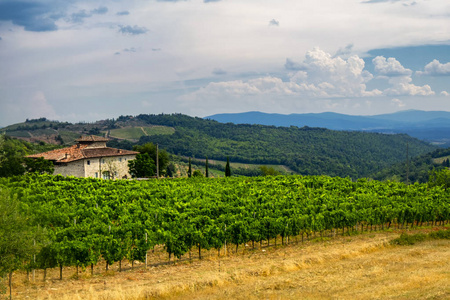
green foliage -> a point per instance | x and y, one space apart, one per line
12 161
142 166
308 151
197 173
190 168
38 165
11 153
227 168
151 149
440 235
440 178
90 218
170 170
419 168
268 171
411 239
19 239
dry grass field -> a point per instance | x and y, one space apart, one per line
363 266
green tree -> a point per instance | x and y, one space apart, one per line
268 171
150 149
19 239
197 173
142 167
11 154
206 167
170 170
227 168
189 168
38 165
440 178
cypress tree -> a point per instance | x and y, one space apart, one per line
206 167
190 168
227 168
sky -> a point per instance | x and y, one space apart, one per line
82 61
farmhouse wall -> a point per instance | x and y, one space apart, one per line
117 166
96 145
75 168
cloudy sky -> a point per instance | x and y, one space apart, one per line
74 60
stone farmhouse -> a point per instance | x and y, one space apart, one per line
90 158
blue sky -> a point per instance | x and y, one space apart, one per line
88 60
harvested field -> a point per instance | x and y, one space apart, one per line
364 266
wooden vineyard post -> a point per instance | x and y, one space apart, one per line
225 246
146 262
34 261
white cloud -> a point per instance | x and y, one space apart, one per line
445 94
403 86
335 76
73 61
38 106
398 102
399 78
323 76
435 68
389 67
30 105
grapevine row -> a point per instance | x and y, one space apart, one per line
89 219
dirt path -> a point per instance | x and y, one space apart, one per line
145 133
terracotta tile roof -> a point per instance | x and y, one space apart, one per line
79 151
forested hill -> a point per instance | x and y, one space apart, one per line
417 168
430 126
306 150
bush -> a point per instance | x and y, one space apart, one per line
411 239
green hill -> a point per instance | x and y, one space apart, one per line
418 168
305 150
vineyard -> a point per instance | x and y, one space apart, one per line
87 220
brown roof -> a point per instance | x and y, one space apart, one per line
92 138
79 151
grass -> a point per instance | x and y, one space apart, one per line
439 160
365 266
134 133
411 239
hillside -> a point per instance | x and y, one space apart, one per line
55 132
419 168
304 150
431 126
308 151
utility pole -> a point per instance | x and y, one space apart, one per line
157 161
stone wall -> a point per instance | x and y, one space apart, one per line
96 145
95 167
75 168
116 166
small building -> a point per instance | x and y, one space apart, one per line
90 158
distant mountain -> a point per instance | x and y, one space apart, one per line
431 126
